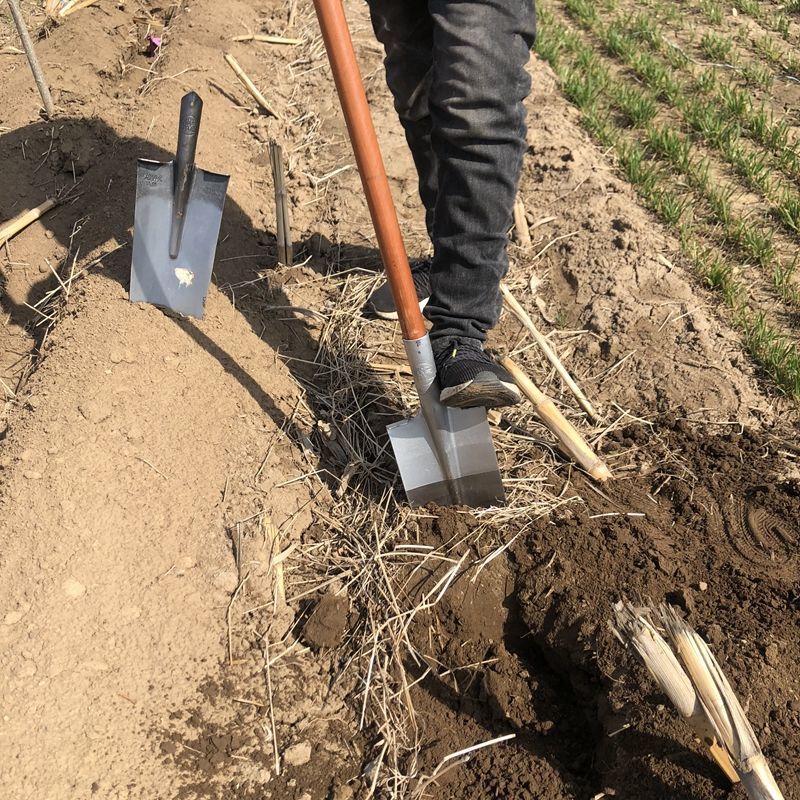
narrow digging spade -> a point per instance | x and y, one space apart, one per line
176 223
445 455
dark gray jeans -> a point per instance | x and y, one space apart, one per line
456 69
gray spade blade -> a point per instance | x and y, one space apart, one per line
464 435
179 283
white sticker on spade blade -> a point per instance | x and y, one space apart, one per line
184 276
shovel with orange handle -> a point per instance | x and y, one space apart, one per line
445 455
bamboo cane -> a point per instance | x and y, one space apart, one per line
572 443
21 221
722 708
263 37
33 61
522 315
521 231
633 628
250 86
283 232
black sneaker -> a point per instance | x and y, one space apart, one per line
381 303
468 377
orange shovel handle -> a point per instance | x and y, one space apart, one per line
344 66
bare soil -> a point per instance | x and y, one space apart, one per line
152 467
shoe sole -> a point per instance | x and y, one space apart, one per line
392 315
485 390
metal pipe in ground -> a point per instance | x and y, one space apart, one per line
36 67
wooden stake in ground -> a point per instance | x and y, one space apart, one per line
249 85
21 221
281 205
572 443
522 315
36 69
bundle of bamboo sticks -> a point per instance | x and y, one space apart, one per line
695 684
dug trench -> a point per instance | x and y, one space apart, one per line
711 515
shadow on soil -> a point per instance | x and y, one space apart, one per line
44 159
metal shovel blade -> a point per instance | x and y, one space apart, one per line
177 283
468 450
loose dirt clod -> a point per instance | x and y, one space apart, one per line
328 622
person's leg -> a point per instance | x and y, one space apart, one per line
405 29
476 95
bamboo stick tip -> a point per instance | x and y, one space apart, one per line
720 755
600 472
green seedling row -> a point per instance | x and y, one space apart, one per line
638 109
585 81
778 23
623 39
754 167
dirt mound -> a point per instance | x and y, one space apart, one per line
527 648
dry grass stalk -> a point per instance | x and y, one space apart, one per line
722 708
521 231
250 86
229 614
634 628
571 442
263 37
453 760
23 219
522 315
270 704
275 561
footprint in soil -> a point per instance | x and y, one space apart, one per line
756 528
105 164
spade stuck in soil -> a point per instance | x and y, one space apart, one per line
445 455
177 219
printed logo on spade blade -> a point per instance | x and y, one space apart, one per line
185 276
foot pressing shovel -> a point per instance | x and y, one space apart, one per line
445 455
176 224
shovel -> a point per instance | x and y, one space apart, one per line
176 223
445 455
